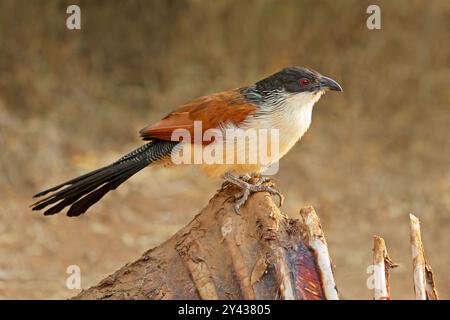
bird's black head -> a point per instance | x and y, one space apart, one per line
296 80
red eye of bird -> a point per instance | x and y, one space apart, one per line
304 82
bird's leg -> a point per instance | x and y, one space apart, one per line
248 188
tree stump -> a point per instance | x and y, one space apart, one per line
258 254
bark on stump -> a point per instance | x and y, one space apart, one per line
259 254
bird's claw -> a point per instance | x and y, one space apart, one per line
262 184
277 193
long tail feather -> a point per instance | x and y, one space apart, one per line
84 191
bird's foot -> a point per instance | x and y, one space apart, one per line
250 184
245 178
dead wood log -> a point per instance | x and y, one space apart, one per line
259 254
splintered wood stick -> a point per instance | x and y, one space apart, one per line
424 286
381 266
317 242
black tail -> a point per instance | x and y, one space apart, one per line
83 191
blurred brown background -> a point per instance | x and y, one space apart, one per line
74 100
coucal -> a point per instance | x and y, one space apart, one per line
282 101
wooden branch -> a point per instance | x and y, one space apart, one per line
259 254
381 267
424 286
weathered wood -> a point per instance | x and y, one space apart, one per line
424 286
317 242
259 254
382 264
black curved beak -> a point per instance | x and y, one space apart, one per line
329 84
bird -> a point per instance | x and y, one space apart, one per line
282 101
